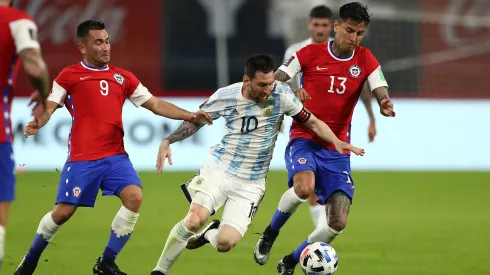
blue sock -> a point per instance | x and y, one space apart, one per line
279 219
298 250
114 246
37 247
44 234
122 229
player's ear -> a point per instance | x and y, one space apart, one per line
336 25
81 47
246 80
310 27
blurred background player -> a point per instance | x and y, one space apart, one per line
320 27
234 174
18 45
94 93
343 67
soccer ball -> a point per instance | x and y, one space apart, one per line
319 259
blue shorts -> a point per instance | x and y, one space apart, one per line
7 172
80 181
332 169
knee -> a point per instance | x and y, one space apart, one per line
194 220
135 198
224 245
132 200
304 188
62 213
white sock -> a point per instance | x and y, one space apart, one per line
47 227
2 244
323 233
124 222
212 237
176 243
317 212
289 202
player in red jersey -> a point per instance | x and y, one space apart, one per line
94 93
18 45
334 75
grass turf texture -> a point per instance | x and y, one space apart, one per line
400 223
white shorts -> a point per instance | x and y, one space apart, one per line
240 197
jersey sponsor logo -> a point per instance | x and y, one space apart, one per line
119 78
355 71
77 191
82 78
234 112
318 68
268 112
302 160
289 61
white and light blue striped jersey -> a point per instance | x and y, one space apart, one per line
250 128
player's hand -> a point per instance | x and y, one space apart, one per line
40 104
163 152
371 131
386 108
32 128
201 117
302 95
340 146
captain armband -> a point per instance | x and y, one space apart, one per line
303 116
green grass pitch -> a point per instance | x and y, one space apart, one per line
400 223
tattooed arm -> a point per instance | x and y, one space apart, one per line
384 102
185 130
36 70
381 93
281 76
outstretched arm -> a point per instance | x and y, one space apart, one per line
281 76
323 131
185 130
169 110
34 126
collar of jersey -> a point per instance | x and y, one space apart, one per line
337 57
86 66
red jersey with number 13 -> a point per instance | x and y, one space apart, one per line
334 85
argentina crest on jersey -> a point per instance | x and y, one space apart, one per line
119 78
355 71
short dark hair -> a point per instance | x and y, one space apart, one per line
263 63
84 27
356 12
321 11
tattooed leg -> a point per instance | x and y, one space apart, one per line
337 207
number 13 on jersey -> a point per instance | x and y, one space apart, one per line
335 79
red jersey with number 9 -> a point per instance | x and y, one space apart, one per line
95 97
334 85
